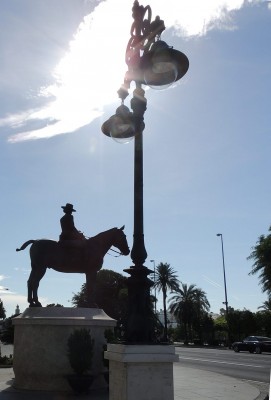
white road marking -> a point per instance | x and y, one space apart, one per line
219 362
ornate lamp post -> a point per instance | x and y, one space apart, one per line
150 62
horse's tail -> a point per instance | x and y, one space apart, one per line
26 244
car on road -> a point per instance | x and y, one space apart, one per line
253 344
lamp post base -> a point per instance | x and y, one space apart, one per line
140 322
142 372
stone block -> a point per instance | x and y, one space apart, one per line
142 372
40 345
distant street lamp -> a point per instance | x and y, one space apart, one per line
150 62
225 285
154 279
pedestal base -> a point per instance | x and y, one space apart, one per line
141 372
40 345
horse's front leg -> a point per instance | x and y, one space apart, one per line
35 296
36 277
30 290
91 278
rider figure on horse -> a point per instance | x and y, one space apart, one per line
69 232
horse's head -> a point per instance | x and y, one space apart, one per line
120 241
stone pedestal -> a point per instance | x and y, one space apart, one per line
40 345
142 372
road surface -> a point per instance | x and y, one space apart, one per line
243 365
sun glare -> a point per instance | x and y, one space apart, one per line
88 76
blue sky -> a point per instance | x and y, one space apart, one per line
206 142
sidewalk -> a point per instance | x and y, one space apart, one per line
189 384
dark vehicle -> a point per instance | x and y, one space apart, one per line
253 344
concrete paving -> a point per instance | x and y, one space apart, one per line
189 384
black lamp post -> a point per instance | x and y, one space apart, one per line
150 62
225 285
154 278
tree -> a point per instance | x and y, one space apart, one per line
220 328
166 279
181 306
261 255
263 321
241 323
201 306
188 305
2 310
207 330
266 306
111 294
54 305
7 332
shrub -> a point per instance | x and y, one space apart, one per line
80 351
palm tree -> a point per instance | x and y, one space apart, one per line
189 302
266 306
201 300
181 306
261 255
201 307
166 279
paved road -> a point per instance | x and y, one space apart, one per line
251 367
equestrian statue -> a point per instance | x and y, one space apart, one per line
72 253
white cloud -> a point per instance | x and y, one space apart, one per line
194 17
3 289
88 76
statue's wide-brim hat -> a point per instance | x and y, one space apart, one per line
68 207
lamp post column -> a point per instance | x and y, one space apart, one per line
225 286
154 278
138 105
140 322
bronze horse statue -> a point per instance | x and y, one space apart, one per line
87 258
